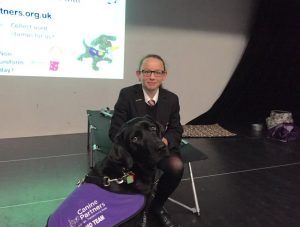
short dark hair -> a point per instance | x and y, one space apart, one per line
152 56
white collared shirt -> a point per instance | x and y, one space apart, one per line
147 98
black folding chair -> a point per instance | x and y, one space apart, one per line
99 144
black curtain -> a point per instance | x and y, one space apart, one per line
268 75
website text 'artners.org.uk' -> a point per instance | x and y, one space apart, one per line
20 13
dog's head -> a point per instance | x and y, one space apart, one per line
139 142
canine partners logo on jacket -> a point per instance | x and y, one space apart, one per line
89 205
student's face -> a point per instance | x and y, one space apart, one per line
151 81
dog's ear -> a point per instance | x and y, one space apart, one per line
121 156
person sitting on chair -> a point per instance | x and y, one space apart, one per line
149 98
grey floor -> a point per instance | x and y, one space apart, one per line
247 181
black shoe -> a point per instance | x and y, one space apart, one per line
164 218
144 220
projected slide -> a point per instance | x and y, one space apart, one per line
62 38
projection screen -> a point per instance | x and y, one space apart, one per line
62 38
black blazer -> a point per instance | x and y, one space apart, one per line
131 103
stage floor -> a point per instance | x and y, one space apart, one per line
247 181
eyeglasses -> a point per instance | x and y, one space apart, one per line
156 73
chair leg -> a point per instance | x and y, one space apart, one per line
195 209
194 189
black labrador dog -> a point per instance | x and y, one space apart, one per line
136 150
128 169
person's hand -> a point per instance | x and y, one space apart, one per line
165 141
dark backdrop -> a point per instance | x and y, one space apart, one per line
268 75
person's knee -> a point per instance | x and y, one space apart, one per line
176 166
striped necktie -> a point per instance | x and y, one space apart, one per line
151 102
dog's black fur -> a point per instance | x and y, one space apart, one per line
138 147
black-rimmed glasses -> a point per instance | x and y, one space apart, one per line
156 73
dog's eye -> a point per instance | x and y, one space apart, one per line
134 139
153 128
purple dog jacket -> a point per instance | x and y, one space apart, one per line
89 206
